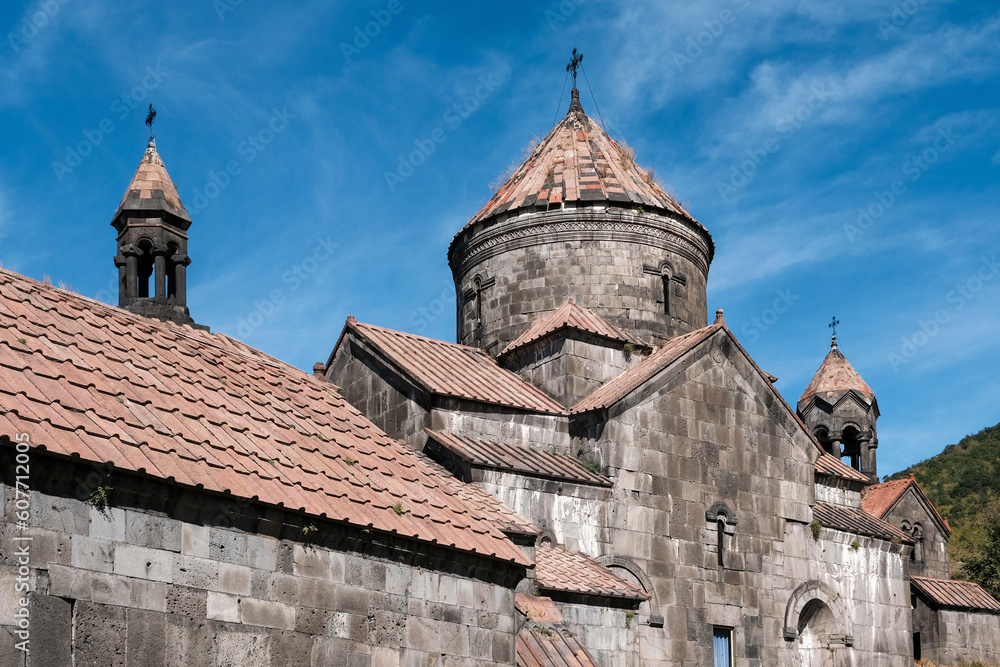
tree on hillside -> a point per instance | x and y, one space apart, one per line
982 565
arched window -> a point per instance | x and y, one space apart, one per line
145 269
720 525
666 293
171 273
478 285
917 533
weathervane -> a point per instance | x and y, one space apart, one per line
833 325
574 64
149 120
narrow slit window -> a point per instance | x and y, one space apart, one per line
720 524
666 294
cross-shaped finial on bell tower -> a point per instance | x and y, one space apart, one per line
150 117
574 64
833 325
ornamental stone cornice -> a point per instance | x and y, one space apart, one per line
484 241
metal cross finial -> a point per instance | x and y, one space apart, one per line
574 64
833 324
149 120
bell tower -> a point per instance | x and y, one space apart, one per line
840 409
152 258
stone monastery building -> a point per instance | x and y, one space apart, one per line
594 475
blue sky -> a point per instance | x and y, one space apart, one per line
845 157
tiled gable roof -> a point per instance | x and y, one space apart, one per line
449 369
506 519
579 162
859 522
830 465
501 456
551 648
638 375
880 498
152 192
203 410
566 571
538 608
835 377
572 316
955 594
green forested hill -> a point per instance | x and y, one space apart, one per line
963 482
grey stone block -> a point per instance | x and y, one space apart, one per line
89 553
234 579
144 563
195 540
195 572
227 546
151 595
223 607
267 614
111 589
51 631
99 633
108 524
147 638
9 653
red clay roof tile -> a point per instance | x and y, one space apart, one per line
878 499
830 465
853 520
537 608
577 152
501 456
834 378
558 569
551 649
571 316
955 594
644 371
450 369
152 189
257 426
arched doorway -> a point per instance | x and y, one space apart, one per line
817 625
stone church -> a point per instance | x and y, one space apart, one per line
593 475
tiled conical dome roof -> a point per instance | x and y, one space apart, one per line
579 162
152 194
834 378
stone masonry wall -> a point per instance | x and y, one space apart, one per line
966 636
390 402
607 259
932 559
570 366
502 424
136 587
708 430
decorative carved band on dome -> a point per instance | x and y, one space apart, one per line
576 225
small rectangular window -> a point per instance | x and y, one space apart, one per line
722 639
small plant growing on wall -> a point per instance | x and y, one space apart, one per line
309 530
815 526
628 351
100 498
629 617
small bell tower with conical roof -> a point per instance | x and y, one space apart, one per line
840 409
152 258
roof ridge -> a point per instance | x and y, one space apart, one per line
635 377
562 318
